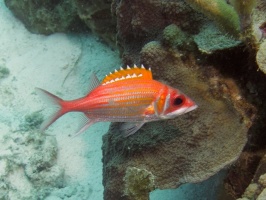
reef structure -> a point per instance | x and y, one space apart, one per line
188 149
181 42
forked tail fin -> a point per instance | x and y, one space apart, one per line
56 102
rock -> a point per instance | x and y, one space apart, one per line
47 16
28 165
240 175
256 190
144 21
97 16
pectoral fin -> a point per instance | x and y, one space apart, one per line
129 128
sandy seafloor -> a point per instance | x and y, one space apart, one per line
61 64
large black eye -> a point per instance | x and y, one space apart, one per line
178 101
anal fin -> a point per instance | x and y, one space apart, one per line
85 124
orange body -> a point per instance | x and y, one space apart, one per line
129 95
128 100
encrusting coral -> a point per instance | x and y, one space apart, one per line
155 52
175 37
261 56
210 39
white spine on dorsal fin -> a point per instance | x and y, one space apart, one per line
117 79
149 69
128 76
140 75
122 78
128 67
121 68
112 81
142 66
135 66
134 75
110 72
115 70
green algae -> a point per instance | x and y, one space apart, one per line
4 72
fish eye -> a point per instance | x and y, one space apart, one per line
178 101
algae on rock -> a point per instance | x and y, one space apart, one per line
138 183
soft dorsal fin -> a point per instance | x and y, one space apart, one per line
122 74
93 82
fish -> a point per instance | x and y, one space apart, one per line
130 96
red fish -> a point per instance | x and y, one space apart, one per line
128 95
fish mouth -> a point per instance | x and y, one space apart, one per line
185 110
181 111
190 108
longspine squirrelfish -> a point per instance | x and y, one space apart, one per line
127 95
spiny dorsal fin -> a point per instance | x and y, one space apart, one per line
123 74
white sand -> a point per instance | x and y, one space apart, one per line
45 62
